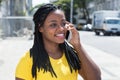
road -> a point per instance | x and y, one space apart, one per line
109 44
11 50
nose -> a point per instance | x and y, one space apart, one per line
61 27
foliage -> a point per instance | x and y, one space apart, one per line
65 4
77 4
32 10
0 2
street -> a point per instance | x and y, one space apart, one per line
12 49
109 44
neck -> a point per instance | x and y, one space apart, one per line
53 50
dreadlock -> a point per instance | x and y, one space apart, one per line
38 52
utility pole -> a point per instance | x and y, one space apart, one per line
71 12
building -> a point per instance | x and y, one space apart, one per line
14 8
107 5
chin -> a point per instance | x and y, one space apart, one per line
61 42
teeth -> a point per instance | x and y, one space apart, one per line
60 35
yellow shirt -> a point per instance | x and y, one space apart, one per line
60 67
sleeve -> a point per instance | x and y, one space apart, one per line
23 69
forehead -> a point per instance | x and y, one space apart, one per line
56 14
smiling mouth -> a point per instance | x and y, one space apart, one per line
60 35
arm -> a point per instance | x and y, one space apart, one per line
89 70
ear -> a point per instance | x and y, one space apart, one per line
41 29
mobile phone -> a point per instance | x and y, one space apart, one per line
68 35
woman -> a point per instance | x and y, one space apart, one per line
52 57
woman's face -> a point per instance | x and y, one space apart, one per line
54 29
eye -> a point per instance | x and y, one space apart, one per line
53 25
63 24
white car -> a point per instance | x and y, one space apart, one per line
87 27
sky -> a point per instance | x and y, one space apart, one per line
36 2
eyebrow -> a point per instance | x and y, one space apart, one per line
56 21
52 21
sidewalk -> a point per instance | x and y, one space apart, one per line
108 63
11 50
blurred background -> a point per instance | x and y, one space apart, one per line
98 22
79 12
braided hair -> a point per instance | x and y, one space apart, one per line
38 52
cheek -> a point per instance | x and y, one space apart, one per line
48 33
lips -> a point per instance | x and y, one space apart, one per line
60 35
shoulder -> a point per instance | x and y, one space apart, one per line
23 68
25 59
26 56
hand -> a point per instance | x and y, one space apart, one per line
75 39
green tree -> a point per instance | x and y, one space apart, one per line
81 4
33 9
0 2
65 4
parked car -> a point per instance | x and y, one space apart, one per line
87 27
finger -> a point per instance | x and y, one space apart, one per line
69 25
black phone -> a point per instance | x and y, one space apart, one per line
68 35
